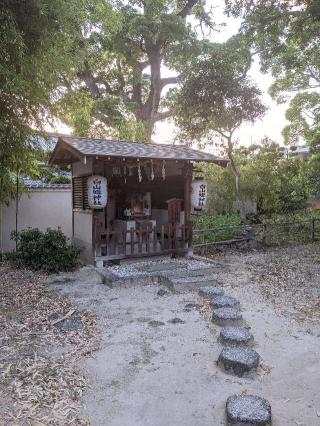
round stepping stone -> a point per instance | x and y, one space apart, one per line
249 410
210 292
227 316
236 336
240 361
224 302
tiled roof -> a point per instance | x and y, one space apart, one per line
38 184
112 148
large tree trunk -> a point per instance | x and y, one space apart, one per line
149 111
145 106
237 181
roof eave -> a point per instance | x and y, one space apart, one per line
61 144
193 160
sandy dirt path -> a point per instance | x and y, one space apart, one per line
150 371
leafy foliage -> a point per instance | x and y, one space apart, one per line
276 183
216 95
276 229
47 251
221 190
37 39
286 34
216 98
117 88
226 226
60 180
303 115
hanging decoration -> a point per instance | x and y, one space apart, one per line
139 172
152 171
97 192
163 169
199 189
125 173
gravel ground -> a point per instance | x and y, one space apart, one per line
156 364
157 361
146 268
288 278
42 337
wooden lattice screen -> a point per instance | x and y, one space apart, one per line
80 193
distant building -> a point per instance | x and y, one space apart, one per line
302 152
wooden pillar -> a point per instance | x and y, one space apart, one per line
97 168
72 210
94 234
187 200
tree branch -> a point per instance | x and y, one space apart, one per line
87 77
143 65
313 75
169 80
187 8
161 115
86 74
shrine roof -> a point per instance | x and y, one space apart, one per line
70 148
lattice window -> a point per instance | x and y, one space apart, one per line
80 193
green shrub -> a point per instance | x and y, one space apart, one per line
48 251
60 180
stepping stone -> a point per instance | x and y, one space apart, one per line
224 302
155 323
248 410
240 361
236 336
192 279
210 292
176 321
190 306
184 284
184 273
227 316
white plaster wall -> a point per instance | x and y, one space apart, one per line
37 209
83 233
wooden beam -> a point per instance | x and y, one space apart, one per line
187 192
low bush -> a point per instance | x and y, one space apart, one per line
48 251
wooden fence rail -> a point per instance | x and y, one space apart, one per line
148 241
267 233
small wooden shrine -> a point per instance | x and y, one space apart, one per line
131 199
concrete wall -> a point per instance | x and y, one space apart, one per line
37 209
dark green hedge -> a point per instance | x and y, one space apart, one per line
48 251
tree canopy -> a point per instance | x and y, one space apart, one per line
275 182
118 86
286 34
36 45
216 98
99 66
